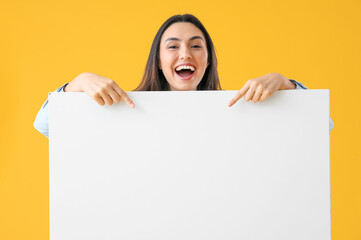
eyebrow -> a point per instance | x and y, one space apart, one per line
177 39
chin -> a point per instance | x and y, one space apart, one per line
185 88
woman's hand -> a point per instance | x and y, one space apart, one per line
101 89
259 89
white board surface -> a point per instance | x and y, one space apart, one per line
183 165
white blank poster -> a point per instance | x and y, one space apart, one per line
185 166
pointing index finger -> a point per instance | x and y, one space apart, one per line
239 95
124 96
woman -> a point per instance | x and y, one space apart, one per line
182 58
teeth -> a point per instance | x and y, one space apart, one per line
185 67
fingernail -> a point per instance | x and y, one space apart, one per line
132 105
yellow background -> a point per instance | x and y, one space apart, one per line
44 44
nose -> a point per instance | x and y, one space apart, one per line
185 53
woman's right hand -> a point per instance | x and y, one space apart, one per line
101 89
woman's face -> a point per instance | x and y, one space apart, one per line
183 56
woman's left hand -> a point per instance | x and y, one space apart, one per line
259 89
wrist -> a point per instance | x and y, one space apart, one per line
76 84
288 84
293 83
71 87
64 87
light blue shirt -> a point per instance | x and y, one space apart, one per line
41 122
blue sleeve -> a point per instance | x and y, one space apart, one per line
41 122
300 86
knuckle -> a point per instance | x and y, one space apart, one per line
267 93
101 91
252 81
103 86
96 95
109 83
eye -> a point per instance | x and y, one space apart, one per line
196 46
172 47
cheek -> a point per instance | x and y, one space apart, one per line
202 60
165 57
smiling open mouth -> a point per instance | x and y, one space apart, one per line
185 73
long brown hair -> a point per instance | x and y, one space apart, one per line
153 78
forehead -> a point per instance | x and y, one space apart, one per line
182 30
